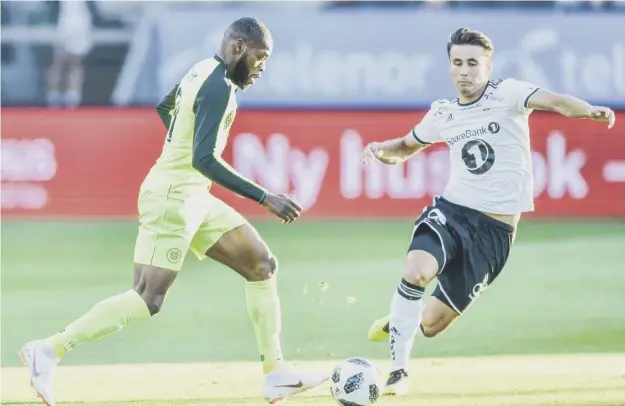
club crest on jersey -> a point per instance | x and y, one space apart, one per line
493 127
174 255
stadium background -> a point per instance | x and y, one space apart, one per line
343 73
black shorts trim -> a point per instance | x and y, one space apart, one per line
441 295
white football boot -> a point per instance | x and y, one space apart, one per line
281 384
397 384
39 357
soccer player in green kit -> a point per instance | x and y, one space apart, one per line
177 213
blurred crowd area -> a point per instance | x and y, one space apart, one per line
118 14
70 53
563 5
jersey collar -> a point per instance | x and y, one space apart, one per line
218 58
223 63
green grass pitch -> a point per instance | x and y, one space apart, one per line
526 341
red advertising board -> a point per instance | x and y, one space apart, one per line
90 163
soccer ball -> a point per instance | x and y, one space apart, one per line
356 382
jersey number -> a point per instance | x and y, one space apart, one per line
176 109
478 156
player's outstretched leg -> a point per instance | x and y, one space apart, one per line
405 317
244 251
435 318
109 316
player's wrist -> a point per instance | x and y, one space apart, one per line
589 111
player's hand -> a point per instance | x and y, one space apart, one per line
603 115
283 206
372 152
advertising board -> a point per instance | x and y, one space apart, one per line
90 163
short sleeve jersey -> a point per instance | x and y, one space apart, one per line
489 144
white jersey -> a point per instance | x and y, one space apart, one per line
489 145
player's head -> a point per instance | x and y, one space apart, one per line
246 46
470 54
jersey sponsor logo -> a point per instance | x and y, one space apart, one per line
468 133
229 120
471 107
492 128
491 96
478 156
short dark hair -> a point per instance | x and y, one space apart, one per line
249 29
467 36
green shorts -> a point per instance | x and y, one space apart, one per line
170 224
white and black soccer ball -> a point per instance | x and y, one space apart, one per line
356 382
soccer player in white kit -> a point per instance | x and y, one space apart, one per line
465 236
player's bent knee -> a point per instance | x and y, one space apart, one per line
152 284
421 268
437 316
416 278
153 302
263 269
430 330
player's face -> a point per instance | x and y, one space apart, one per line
250 65
470 67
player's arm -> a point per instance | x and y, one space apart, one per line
210 108
393 151
401 149
570 106
536 98
166 106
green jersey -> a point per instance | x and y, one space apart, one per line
198 114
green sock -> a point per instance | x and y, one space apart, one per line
106 317
263 307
